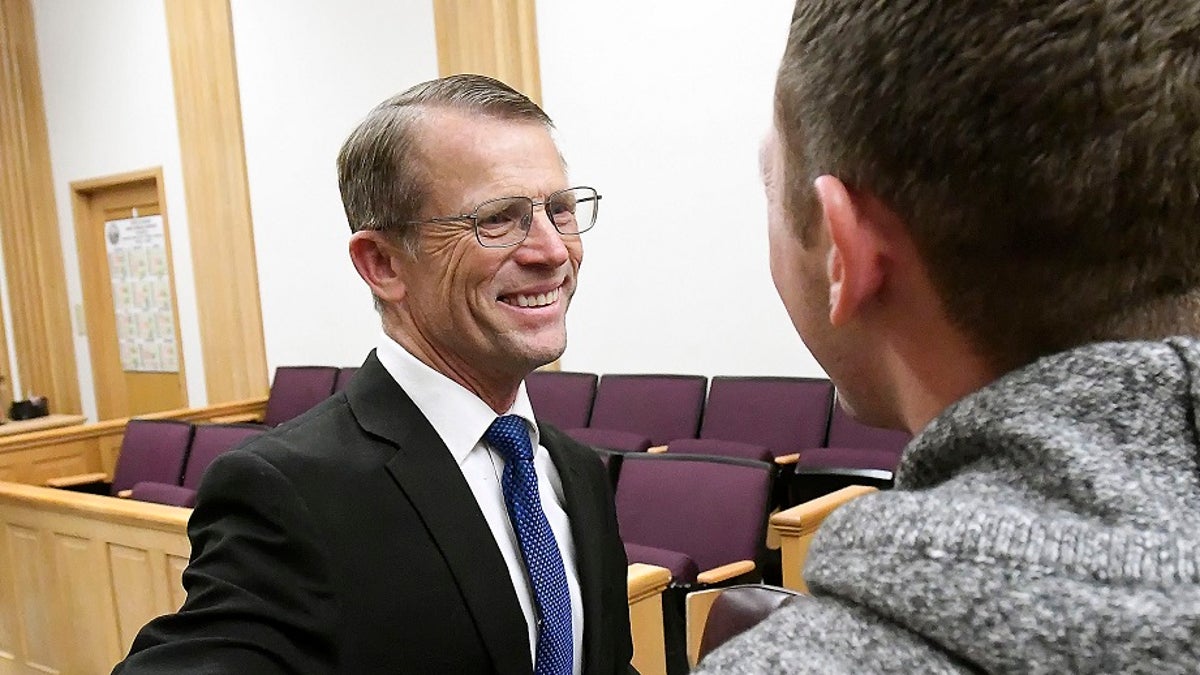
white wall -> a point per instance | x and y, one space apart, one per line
659 105
662 106
110 108
308 72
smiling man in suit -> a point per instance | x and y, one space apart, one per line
423 521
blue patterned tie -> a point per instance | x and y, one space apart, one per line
509 436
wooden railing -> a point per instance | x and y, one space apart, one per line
80 574
35 457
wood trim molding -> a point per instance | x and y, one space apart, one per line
29 230
207 104
490 37
6 382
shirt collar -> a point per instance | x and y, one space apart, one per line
458 416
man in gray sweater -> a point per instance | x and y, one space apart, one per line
985 224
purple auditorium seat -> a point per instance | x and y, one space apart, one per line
847 432
738 609
296 389
611 446
151 450
563 399
209 442
785 414
711 509
717 448
678 564
855 454
703 518
663 407
343 378
161 493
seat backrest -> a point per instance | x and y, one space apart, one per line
730 612
296 389
663 407
713 509
152 450
209 442
847 432
785 414
561 398
343 378
718 448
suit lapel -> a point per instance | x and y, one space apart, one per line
581 499
426 472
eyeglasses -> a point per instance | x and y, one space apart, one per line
505 222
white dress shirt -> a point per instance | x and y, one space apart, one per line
460 418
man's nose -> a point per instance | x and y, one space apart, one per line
543 244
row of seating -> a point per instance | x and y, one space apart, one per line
163 460
295 389
792 421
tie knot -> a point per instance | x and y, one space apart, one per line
509 436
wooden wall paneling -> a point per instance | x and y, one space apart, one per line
490 37
29 231
207 104
87 571
86 597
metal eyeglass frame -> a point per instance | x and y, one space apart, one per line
526 224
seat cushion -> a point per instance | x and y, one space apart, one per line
848 458
162 493
683 569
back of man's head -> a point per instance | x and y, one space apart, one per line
1045 156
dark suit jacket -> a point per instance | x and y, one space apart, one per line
348 541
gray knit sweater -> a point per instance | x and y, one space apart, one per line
1048 523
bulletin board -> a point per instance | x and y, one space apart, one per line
141 293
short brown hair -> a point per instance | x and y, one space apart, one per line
1045 156
379 172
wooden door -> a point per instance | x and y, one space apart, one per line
129 294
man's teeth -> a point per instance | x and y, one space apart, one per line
539 300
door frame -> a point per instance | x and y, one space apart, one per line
101 329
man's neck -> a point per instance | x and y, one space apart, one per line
497 391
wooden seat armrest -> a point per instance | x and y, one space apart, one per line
657 449
125 494
725 572
787 460
807 517
646 580
78 479
698 605
797 525
236 418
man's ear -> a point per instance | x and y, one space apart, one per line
379 263
855 260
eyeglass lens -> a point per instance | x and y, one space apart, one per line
506 221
